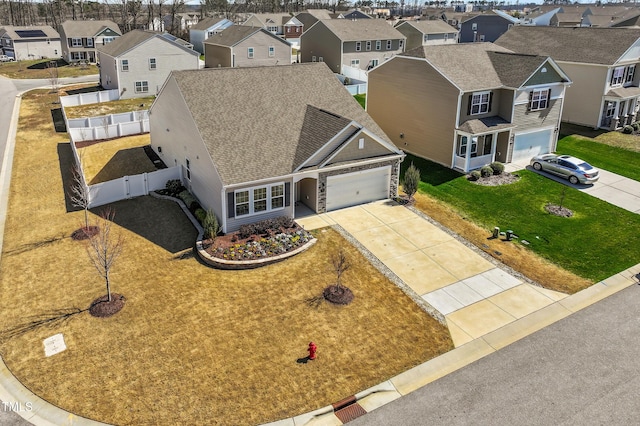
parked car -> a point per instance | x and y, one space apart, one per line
566 166
5 58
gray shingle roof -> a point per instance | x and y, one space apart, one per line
484 125
436 26
235 34
587 45
256 127
479 66
364 29
275 18
88 28
206 23
318 13
134 38
11 31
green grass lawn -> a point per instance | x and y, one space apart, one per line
38 69
362 99
593 244
610 158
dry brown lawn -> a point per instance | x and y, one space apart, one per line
193 345
37 69
116 158
513 255
112 107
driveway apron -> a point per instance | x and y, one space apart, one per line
474 295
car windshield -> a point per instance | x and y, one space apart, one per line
585 166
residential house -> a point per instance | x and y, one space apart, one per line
467 105
240 46
352 15
360 44
250 148
602 64
80 38
486 26
206 28
310 16
139 62
279 24
180 22
423 33
32 42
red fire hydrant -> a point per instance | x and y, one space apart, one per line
312 350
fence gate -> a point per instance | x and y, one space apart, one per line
136 185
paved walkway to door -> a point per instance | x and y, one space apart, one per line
474 295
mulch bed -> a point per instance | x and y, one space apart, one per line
102 308
556 210
85 233
495 180
340 295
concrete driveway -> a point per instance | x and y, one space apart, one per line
474 295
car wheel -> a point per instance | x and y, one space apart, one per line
537 166
574 180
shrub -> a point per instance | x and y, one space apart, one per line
174 187
411 181
265 226
210 224
636 126
497 167
475 175
186 198
200 215
627 129
486 171
194 207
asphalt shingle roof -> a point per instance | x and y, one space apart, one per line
576 44
436 26
126 42
256 127
234 34
206 23
364 29
88 28
11 31
479 66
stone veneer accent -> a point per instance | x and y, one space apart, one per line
322 180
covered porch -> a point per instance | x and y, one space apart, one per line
480 142
620 107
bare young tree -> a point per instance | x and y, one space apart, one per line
52 70
105 247
340 266
79 196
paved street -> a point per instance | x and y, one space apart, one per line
584 369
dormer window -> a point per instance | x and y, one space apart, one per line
617 76
630 74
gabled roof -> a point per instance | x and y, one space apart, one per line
88 28
364 29
318 13
631 21
436 26
207 23
479 66
28 33
576 44
132 39
271 18
569 17
255 128
492 15
237 33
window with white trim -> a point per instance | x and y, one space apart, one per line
463 145
272 51
273 29
474 26
388 44
152 63
355 62
480 102
107 40
76 42
400 44
187 167
630 73
313 58
358 46
89 42
617 76
259 199
320 59
250 52
378 44
425 38
361 143
368 45
539 99
77 56
446 36
142 86
124 64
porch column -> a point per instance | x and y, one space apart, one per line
614 122
467 155
494 144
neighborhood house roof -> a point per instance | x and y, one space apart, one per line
255 128
88 28
364 29
278 19
28 33
577 44
318 13
437 26
235 34
479 66
132 39
206 23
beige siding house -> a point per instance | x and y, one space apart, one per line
80 39
315 148
139 62
240 46
424 33
361 44
498 106
603 64
33 42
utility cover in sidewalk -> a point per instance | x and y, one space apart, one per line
54 345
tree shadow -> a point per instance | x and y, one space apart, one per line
67 162
45 64
58 120
96 88
568 129
47 319
431 173
125 162
161 222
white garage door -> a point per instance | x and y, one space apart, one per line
531 144
351 189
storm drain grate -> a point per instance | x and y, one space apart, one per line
348 409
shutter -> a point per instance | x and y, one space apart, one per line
231 207
530 99
287 194
69 42
490 100
469 105
548 98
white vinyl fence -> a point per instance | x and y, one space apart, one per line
130 186
90 98
357 89
108 126
355 74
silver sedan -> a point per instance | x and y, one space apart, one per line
566 166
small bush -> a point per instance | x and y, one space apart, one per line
475 175
210 224
497 167
411 181
265 226
200 215
186 198
194 207
486 171
174 187
627 129
636 126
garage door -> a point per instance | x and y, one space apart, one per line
351 189
531 144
